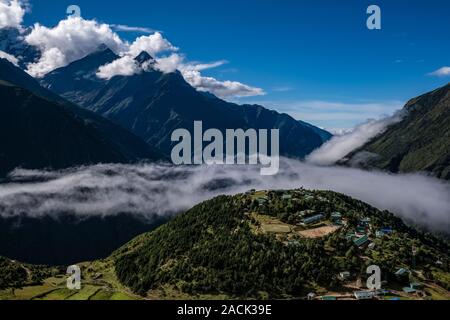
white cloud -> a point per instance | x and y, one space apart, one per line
223 89
442 72
125 28
339 131
50 59
198 66
153 44
191 73
156 44
340 146
75 37
11 13
169 64
72 39
9 57
151 189
127 65
124 66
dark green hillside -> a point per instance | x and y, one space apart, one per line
12 275
36 133
212 249
257 245
66 238
39 129
420 142
15 275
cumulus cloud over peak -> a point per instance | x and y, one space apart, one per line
153 44
156 44
169 63
74 37
70 40
11 13
340 146
126 65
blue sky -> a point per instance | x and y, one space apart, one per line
314 59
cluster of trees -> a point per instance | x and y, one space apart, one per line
213 249
12 275
15 275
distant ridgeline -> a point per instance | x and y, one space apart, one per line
153 104
277 244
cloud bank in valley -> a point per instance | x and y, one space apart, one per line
341 145
150 189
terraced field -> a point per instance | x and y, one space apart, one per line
98 283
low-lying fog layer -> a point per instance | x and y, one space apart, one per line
150 189
342 145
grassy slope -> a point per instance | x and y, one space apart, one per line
98 283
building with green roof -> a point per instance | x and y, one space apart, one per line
329 298
313 219
361 241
